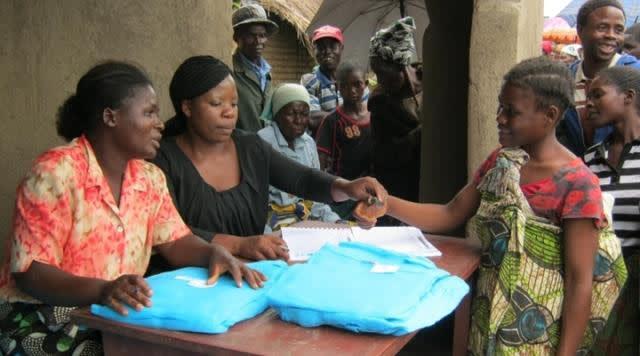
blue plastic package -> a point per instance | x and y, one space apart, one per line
363 288
182 301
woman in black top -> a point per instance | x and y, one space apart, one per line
220 177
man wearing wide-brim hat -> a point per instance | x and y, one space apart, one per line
252 73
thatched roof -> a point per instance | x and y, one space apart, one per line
298 13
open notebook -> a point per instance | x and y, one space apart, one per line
304 241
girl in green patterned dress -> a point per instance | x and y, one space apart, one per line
551 267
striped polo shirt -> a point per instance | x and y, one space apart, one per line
323 92
623 183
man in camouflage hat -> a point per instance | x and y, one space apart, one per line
252 73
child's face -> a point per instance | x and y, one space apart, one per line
520 121
352 87
605 103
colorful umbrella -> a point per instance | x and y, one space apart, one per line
554 23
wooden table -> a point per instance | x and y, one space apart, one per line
268 335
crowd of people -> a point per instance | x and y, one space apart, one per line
556 206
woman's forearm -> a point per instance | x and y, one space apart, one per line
432 218
575 314
53 286
338 192
437 218
232 243
187 251
297 179
580 248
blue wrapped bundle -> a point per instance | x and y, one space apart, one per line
182 300
363 288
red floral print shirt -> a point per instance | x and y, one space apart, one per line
66 216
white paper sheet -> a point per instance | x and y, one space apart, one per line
303 242
404 239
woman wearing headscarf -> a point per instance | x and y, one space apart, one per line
395 107
220 177
287 116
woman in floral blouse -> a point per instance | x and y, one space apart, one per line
87 216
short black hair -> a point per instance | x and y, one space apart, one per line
106 85
591 5
550 81
623 78
194 77
346 68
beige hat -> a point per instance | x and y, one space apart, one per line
252 14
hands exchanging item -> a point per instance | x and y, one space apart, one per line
368 211
372 204
372 199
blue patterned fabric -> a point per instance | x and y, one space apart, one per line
182 302
356 287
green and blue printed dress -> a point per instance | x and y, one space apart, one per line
517 306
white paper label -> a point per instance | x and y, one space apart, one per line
194 282
380 268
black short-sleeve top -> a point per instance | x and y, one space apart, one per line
241 210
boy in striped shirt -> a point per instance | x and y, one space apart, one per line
328 43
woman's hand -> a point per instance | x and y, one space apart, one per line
358 189
222 261
263 247
129 289
368 211
370 193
